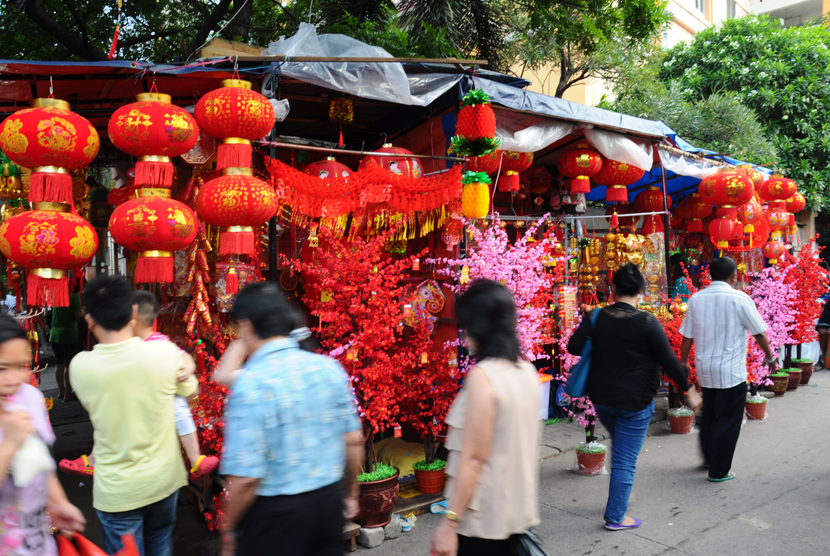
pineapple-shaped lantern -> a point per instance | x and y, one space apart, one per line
475 197
475 129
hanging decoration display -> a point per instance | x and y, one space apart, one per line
774 250
154 130
580 163
617 213
202 151
403 165
617 176
512 163
475 197
53 141
475 128
693 210
236 115
48 242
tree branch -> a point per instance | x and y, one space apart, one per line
210 22
148 37
74 44
70 5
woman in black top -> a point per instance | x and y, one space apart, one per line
629 347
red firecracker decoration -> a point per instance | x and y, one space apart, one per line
48 241
580 164
726 188
237 115
616 176
512 163
475 128
402 165
777 188
238 202
154 130
796 203
53 142
155 226
328 169
694 210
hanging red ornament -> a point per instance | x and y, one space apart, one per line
232 281
621 209
796 203
652 224
328 169
723 229
774 250
694 210
777 188
402 165
580 163
513 162
237 115
475 128
617 176
53 142
726 188
755 176
154 130
651 200
777 218
487 163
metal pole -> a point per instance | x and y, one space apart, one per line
666 230
272 224
274 144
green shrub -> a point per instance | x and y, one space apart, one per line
381 471
436 465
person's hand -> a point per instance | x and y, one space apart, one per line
351 507
66 517
694 399
445 540
771 363
187 369
228 545
17 427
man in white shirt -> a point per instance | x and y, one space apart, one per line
717 321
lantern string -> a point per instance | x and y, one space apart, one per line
51 88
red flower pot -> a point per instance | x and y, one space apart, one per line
794 380
756 410
681 424
806 371
377 500
430 482
590 463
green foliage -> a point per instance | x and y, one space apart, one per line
379 472
783 74
782 372
592 448
436 465
756 399
802 360
681 412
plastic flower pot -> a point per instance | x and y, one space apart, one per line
806 366
681 421
430 482
591 460
377 500
794 379
756 408
780 381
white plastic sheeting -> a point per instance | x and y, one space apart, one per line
533 138
620 148
379 81
686 165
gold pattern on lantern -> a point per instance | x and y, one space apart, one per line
13 141
83 244
56 134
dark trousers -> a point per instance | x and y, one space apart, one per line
720 425
307 524
473 546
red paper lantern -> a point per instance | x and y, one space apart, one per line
760 233
154 130
409 167
652 224
622 209
53 142
328 169
238 202
616 176
777 188
694 210
774 250
580 163
538 178
48 241
651 200
729 188
487 163
755 176
237 115
792 227
154 225
751 215
512 163
777 218
475 127
722 230
796 203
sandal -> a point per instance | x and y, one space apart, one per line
80 466
204 465
728 477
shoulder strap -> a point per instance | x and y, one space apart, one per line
594 317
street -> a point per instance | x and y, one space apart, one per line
776 505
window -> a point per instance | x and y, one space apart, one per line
666 36
701 5
730 8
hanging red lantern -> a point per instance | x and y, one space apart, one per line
48 241
750 214
777 218
777 188
792 227
237 115
53 142
622 209
487 163
774 250
580 163
652 224
722 230
755 176
796 203
238 202
475 127
328 169
154 130
155 226
694 210
512 163
651 200
617 176
760 233
405 166
538 178
729 188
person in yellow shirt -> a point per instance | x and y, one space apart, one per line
128 387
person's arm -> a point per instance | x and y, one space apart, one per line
663 354
763 343
354 457
478 436
685 350
228 368
16 426
64 515
242 492
580 335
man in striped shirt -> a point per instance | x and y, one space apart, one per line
717 321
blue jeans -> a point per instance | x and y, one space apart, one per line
152 527
628 431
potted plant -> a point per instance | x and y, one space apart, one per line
590 456
794 378
780 381
806 366
430 477
756 407
378 495
681 420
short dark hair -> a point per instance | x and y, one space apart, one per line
10 329
265 306
628 280
148 306
722 269
109 301
487 313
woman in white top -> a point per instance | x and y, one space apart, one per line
493 468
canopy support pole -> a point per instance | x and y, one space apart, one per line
666 231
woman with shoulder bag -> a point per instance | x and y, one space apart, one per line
629 347
493 468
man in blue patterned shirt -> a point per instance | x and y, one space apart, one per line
291 435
